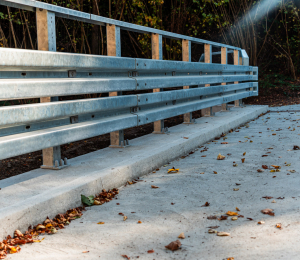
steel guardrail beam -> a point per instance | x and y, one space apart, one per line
29 113
17 144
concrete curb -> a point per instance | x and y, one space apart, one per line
29 198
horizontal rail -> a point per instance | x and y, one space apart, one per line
31 5
22 114
34 88
17 144
28 60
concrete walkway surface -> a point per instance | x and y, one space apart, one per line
177 205
28 198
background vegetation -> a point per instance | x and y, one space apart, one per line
269 30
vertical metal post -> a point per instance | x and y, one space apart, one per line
236 59
157 54
46 38
224 62
207 59
113 34
186 56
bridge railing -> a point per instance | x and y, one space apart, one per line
47 74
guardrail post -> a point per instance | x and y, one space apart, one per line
236 59
224 61
113 34
46 38
157 54
207 59
186 56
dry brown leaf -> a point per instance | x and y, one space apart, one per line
276 166
260 222
260 170
212 231
201 172
211 217
150 251
85 251
101 223
267 197
221 157
243 160
125 256
265 167
223 234
182 236
206 204
154 187
237 209
175 245
215 172
244 153
234 218
223 218
235 189
235 165
274 201
231 213
278 225
185 137
124 218
268 212
224 143
139 222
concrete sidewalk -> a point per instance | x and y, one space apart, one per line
176 206
28 198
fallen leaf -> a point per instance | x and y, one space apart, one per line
276 166
267 197
89 201
173 170
243 160
278 225
274 134
260 170
238 184
230 213
185 137
264 155
175 245
280 198
154 187
212 217
240 216
182 236
223 218
244 153
213 227
203 156
206 204
235 165
237 209
215 172
296 147
221 157
268 212
125 256
224 143
101 223
223 234
201 172
235 189
260 222
292 171
124 218
85 251
234 218
212 231
150 251
250 219
139 222
265 167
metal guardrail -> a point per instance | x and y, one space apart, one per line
47 75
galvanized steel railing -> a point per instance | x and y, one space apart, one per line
47 75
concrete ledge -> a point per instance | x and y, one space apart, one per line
29 198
